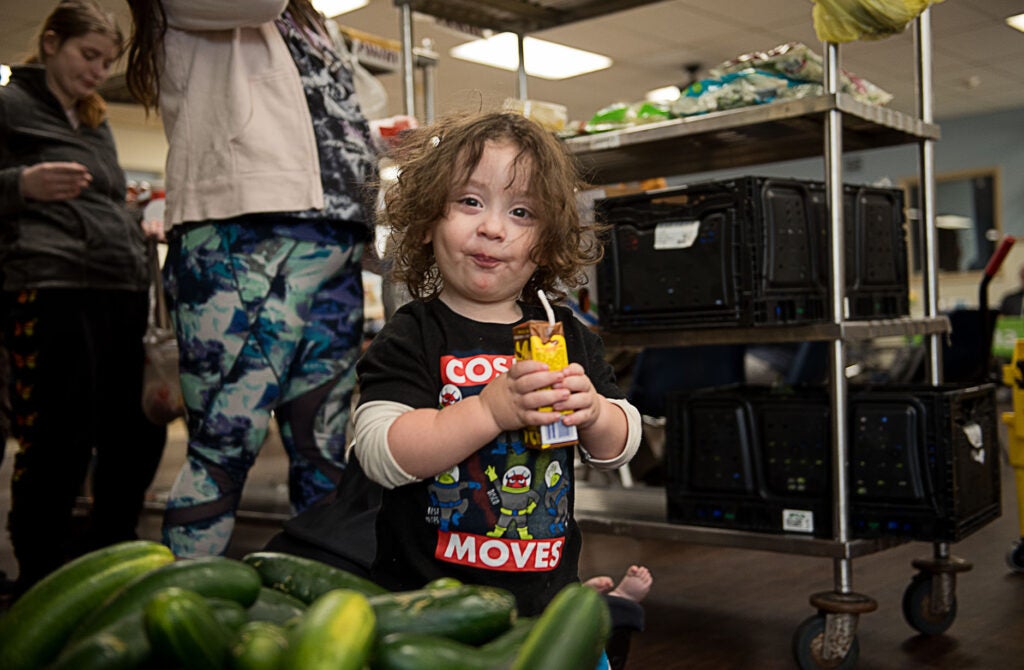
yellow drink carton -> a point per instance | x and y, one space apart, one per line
545 342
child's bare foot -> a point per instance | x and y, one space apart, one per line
635 584
602 584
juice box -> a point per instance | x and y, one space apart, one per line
545 342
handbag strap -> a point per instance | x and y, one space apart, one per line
161 317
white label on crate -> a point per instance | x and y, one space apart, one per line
676 234
798 520
976 438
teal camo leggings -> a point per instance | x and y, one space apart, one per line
269 319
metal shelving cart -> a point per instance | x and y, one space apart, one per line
823 125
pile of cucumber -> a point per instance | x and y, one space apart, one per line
132 605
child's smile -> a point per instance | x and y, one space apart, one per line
483 244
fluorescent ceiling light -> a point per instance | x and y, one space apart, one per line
331 8
543 59
5 75
1016 22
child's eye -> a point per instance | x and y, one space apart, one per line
469 201
521 213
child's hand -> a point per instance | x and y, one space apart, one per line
584 401
513 398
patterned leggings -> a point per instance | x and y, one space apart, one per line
269 318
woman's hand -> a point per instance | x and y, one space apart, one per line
153 228
50 182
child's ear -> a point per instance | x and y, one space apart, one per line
428 236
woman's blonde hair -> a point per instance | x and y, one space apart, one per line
434 159
75 18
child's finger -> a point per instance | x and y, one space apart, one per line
524 368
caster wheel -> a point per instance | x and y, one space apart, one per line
916 608
808 641
1015 556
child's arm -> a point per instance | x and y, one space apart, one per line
424 442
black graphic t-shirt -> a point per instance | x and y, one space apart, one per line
503 516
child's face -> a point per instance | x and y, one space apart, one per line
483 243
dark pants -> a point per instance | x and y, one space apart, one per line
76 361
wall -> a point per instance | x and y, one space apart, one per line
140 141
968 143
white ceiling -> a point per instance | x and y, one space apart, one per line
976 62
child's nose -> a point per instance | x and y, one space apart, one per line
492 225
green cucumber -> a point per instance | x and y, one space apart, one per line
336 633
443 583
38 624
305 578
276 607
569 634
469 614
210 576
122 644
182 629
230 614
506 645
416 651
258 645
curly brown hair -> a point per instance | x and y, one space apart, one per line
433 160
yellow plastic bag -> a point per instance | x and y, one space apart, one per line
843 21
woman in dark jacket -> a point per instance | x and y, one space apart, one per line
75 298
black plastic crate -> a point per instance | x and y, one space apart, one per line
782 443
952 431
747 252
875 250
738 252
923 460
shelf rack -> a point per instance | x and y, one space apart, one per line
641 513
519 16
825 125
814 332
783 130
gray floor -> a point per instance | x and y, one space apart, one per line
720 608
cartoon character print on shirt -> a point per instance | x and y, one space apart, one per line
516 500
446 499
556 500
509 440
495 510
